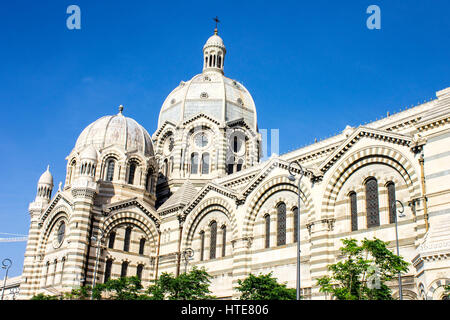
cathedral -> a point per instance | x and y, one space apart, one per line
197 193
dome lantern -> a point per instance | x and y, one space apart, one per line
214 53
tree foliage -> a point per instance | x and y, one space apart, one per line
363 274
264 287
187 286
125 288
42 296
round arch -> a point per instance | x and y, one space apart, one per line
364 157
269 188
132 218
209 205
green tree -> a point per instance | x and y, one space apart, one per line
42 296
264 287
363 274
447 290
186 286
125 288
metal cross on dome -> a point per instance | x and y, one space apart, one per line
216 19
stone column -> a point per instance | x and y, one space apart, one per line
31 271
241 261
321 252
78 239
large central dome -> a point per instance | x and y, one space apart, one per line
210 93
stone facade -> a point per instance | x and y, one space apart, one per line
132 204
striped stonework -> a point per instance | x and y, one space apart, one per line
232 220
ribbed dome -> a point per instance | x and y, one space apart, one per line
46 178
213 94
214 40
116 130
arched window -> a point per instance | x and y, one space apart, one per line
220 62
149 180
295 210
205 163
206 62
126 242
72 167
139 270
235 144
210 60
267 224
47 269
110 170
391 201
214 63
141 246
112 238
202 244
213 240
171 165
239 165
372 206
131 172
63 262
230 165
108 268
194 163
353 211
123 272
224 240
165 167
55 269
61 232
281 224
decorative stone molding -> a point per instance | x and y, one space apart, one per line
53 203
108 210
328 222
171 257
364 132
83 193
198 116
248 241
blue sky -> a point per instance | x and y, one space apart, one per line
312 67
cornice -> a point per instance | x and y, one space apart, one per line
211 186
198 116
53 204
129 203
166 123
358 134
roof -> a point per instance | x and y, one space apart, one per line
181 197
116 130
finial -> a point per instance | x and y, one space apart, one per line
48 167
216 19
120 109
59 187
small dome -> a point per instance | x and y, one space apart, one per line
214 40
89 153
46 178
116 130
